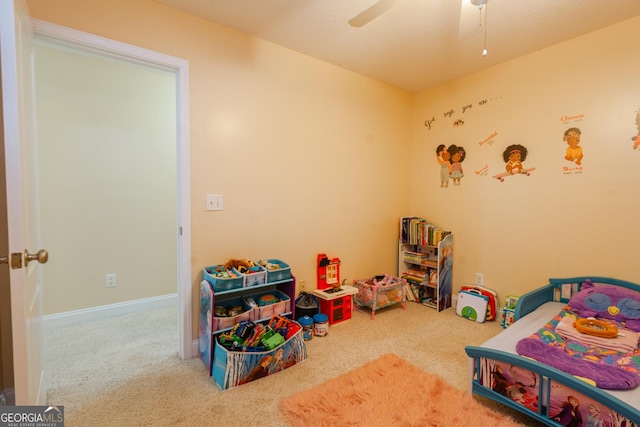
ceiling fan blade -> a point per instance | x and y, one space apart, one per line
470 20
372 13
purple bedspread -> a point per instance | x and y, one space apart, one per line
609 369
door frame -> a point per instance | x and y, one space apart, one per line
180 67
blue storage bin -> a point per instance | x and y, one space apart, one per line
283 272
220 284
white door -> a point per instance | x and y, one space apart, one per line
23 230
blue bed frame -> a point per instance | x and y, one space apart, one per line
527 303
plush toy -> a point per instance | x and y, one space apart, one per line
268 265
595 327
608 302
242 265
394 295
382 299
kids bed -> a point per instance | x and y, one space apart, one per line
570 358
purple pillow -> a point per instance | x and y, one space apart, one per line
608 302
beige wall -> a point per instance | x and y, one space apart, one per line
108 204
526 229
309 157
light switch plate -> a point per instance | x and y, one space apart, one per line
214 202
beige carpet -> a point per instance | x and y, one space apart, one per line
125 371
388 391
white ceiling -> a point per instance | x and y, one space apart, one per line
415 44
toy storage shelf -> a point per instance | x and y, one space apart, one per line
425 255
208 336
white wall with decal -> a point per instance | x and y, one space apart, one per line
574 211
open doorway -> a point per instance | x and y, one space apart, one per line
107 179
114 175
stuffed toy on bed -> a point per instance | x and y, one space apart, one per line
608 302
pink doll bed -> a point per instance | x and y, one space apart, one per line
380 291
542 367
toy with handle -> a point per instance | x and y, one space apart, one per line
492 298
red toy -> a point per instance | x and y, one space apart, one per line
335 301
328 272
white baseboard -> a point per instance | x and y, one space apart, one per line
75 317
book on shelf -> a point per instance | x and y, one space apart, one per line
418 290
416 276
429 302
415 257
410 296
428 277
416 254
419 232
410 229
433 277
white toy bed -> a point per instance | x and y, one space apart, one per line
515 367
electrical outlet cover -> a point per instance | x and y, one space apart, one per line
479 279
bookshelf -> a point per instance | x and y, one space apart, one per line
425 262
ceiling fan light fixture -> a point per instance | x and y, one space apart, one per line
479 3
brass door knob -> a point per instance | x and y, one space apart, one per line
42 256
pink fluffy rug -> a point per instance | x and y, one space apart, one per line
388 391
